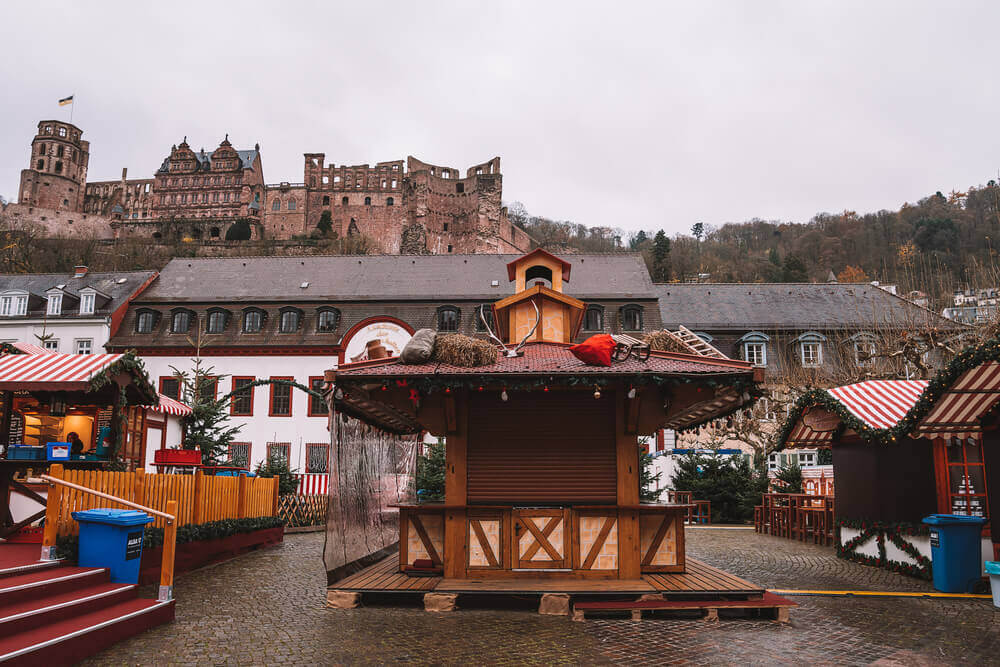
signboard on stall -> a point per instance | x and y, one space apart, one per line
378 340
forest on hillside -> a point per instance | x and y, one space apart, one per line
940 243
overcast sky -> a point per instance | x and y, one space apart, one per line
627 115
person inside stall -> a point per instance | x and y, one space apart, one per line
75 442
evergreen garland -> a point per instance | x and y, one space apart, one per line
895 532
969 358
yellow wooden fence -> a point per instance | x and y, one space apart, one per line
200 498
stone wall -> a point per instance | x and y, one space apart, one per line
57 224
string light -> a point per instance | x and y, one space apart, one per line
503 394
631 392
545 388
597 391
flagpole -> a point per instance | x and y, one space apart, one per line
71 105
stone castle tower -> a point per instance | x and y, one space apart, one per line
57 172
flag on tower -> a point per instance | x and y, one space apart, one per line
66 100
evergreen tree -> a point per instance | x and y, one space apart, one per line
635 243
430 473
794 270
649 484
325 224
730 483
789 478
278 467
661 257
206 428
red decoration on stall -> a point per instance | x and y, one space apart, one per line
595 351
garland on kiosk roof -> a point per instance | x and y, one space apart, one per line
131 364
966 360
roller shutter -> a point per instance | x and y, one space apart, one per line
542 447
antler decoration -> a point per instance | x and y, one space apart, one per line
516 352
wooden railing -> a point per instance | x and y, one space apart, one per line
797 516
174 500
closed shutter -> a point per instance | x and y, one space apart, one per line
542 447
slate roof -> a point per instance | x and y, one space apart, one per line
37 284
795 306
383 277
247 158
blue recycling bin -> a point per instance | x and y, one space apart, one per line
955 551
112 539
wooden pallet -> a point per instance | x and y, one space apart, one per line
769 601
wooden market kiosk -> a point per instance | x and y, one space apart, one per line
542 470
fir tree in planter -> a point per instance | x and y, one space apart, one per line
649 484
278 467
430 473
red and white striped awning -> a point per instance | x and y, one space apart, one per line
879 404
169 406
959 411
52 371
31 348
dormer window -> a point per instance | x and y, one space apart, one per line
253 320
55 304
145 320
631 317
447 318
180 322
14 305
87 300
593 318
754 348
290 320
216 322
327 320
811 348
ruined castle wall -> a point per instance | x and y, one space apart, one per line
285 211
57 223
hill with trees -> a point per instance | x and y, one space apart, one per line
937 244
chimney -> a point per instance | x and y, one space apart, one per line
79 271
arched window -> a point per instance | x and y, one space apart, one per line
291 205
810 347
216 322
180 321
145 320
535 273
389 201
326 200
276 205
343 201
253 320
290 320
327 320
593 318
863 346
368 201
631 317
447 318
485 311
753 347
214 232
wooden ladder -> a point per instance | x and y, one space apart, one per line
699 346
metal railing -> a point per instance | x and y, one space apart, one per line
56 484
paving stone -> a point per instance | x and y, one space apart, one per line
269 607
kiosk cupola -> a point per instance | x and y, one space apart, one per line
538 281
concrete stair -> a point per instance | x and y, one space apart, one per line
53 614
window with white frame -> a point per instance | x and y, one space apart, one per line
810 347
764 409
51 344
87 303
55 304
754 348
84 346
20 305
864 351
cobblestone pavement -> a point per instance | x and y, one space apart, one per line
268 608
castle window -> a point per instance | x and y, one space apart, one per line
59 151
58 167
327 320
215 196
344 201
253 320
447 316
62 131
593 319
389 201
41 165
276 205
291 204
449 247
631 317
180 322
394 182
214 232
48 129
368 201
157 235
336 179
459 188
41 149
225 196
216 322
290 319
144 321
326 200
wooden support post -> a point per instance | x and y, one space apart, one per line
456 493
274 505
169 546
627 455
139 487
242 487
198 498
52 507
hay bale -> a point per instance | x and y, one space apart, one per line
462 350
666 341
